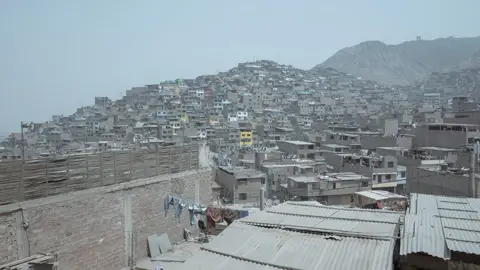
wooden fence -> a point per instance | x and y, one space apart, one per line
32 179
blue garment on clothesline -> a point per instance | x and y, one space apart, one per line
166 203
242 214
194 210
178 204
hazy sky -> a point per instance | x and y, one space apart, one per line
57 55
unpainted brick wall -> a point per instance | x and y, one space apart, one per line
88 233
148 209
84 233
8 241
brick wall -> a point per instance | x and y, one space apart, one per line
86 229
149 215
8 241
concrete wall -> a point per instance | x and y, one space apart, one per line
439 183
372 142
390 127
227 181
441 138
276 176
233 187
251 188
90 229
339 165
338 199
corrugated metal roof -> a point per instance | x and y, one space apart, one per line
336 212
290 250
438 225
212 261
423 234
336 226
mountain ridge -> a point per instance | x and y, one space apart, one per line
405 63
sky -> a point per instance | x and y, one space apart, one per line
57 55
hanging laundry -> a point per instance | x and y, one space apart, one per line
203 215
195 210
229 215
166 203
214 215
217 215
178 204
172 200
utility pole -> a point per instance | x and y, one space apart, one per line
22 126
477 153
21 143
21 188
472 175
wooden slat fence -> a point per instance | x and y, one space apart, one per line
33 179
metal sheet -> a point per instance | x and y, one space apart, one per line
438 225
205 260
337 212
303 251
328 225
423 234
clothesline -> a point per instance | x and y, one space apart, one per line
217 214
210 215
194 209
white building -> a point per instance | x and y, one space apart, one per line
242 116
432 99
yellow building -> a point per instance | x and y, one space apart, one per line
246 138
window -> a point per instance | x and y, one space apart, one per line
391 164
379 177
301 185
388 177
403 174
374 177
334 185
242 196
242 181
262 181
